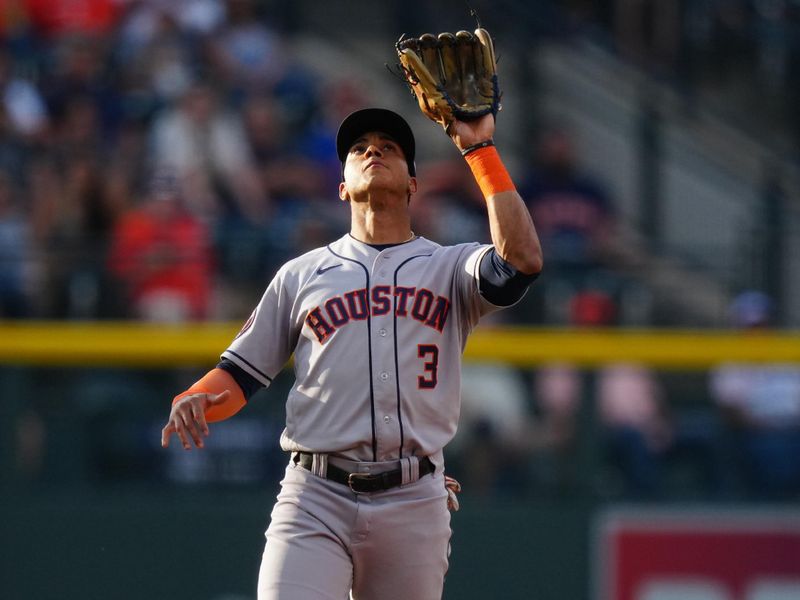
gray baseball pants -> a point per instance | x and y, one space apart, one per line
324 541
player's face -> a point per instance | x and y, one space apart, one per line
376 162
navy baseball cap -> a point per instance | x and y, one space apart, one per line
363 121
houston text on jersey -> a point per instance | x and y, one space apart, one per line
418 303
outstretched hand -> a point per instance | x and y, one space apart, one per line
467 133
187 418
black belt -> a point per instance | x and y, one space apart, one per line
362 483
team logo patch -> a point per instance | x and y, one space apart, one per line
247 324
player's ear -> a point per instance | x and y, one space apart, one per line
412 185
344 195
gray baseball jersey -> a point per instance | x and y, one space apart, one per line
377 338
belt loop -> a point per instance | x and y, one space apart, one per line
319 464
410 469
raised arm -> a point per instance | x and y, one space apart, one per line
513 233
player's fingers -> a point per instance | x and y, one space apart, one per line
200 418
452 502
180 430
191 427
451 484
166 433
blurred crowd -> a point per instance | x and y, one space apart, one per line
160 159
155 155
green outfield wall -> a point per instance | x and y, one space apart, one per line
128 545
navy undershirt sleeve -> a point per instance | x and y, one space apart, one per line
249 384
501 283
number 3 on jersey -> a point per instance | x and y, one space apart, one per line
429 380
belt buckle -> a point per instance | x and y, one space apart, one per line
355 477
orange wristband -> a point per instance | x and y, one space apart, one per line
217 381
489 171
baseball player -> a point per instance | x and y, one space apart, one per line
377 322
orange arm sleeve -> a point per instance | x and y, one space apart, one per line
217 381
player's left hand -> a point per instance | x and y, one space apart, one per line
468 133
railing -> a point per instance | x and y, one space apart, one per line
132 344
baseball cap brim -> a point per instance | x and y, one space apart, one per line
363 121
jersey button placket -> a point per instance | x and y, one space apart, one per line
382 265
387 431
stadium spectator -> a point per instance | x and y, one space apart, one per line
285 173
207 147
143 20
156 58
245 52
197 18
317 129
490 453
78 130
79 71
22 103
75 216
762 406
15 151
648 439
59 18
574 219
637 430
160 253
296 181
575 211
553 439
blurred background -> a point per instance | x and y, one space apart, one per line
159 159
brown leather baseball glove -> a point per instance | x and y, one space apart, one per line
452 76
